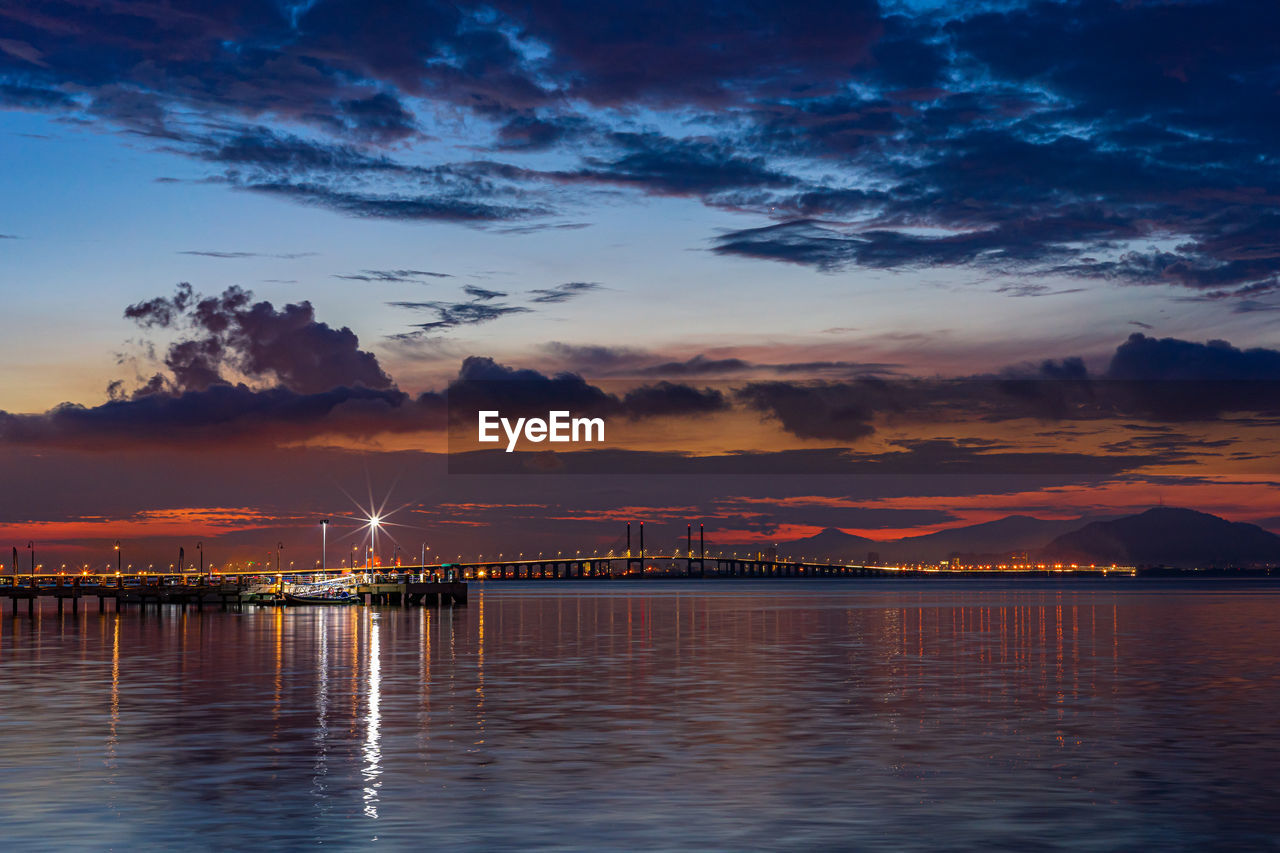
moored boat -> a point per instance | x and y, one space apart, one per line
291 598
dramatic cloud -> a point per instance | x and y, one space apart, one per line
1174 380
1159 380
1146 358
224 414
843 412
482 383
232 335
1117 142
715 53
669 166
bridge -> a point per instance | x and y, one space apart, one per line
446 583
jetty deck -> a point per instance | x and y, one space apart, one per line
199 591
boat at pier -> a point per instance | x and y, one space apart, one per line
339 590
292 598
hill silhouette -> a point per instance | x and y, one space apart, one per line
1011 533
1168 536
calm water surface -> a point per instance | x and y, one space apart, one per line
616 715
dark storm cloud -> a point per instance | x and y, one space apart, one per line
565 292
338 63
800 241
524 132
284 153
230 334
1146 358
843 412
483 383
696 167
705 53
224 414
34 97
354 180
1102 128
175 412
672 399
1160 380
1008 247
379 117
1126 142
1174 380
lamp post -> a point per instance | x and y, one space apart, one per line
279 548
324 540
31 546
118 556
200 548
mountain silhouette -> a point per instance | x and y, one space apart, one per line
831 543
1011 533
1167 536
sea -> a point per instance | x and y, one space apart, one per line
718 714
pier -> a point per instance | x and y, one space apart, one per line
446 584
223 590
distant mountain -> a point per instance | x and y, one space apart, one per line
833 543
1010 534
1002 536
1167 536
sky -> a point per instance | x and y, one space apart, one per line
884 267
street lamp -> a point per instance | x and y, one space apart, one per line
324 540
200 548
279 548
374 523
118 557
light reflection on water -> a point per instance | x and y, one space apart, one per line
373 721
770 715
